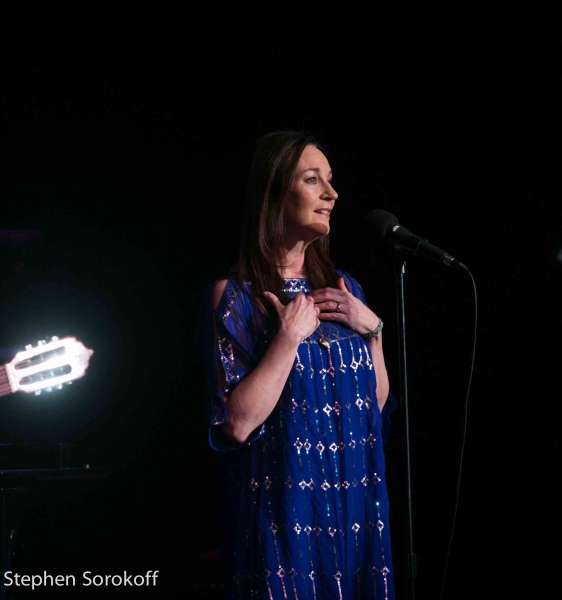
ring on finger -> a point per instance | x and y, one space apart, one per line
338 307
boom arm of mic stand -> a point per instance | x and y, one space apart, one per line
399 271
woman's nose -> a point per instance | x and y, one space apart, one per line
330 192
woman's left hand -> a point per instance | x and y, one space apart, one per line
342 306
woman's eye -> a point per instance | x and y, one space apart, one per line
311 180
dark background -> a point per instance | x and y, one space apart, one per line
125 138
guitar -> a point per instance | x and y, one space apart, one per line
48 366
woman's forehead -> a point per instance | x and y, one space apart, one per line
313 158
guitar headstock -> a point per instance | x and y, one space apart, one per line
48 366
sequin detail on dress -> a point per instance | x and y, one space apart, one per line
305 512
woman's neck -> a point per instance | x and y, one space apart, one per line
293 265
292 271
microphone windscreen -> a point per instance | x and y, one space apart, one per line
382 220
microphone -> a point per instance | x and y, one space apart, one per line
404 240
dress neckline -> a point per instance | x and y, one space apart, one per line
296 284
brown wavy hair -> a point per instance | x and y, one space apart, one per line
272 169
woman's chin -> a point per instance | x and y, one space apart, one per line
319 229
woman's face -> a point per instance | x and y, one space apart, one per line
311 197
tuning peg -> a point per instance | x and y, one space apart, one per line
54 338
29 347
37 392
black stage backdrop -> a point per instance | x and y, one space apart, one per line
125 142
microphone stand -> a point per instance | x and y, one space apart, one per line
399 270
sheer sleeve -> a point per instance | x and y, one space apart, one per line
391 403
229 354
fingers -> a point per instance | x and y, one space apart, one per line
298 318
332 300
316 307
310 301
274 300
337 294
341 285
298 300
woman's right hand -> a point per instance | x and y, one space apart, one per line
299 318
255 397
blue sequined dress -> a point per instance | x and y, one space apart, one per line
305 505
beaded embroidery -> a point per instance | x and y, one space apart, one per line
314 493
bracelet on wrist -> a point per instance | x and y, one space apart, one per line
375 332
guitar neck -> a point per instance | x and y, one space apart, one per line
5 388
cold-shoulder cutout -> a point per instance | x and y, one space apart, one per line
218 292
